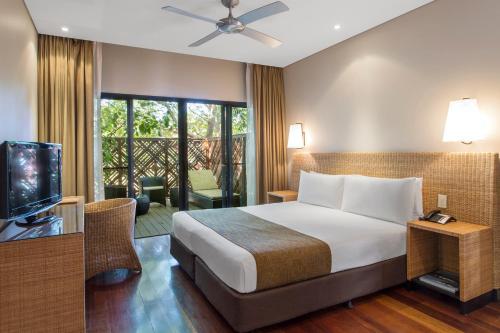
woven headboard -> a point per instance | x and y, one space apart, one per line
470 180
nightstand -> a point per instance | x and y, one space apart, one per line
464 249
281 196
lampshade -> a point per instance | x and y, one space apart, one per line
296 136
464 122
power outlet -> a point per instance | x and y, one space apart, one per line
442 201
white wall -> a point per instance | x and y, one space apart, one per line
18 73
131 70
388 89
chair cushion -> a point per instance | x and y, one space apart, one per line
152 188
202 180
213 194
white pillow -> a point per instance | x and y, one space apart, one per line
419 204
383 198
321 189
418 208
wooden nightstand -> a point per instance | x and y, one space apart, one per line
465 249
281 196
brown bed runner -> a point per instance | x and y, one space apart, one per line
282 255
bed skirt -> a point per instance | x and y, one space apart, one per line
246 312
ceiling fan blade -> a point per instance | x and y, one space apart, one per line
188 14
262 12
261 37
206 39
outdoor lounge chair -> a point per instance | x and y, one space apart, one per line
154 188
205 192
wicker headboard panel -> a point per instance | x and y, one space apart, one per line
471 180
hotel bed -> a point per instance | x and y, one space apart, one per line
345 237
301 257
354 240
363 230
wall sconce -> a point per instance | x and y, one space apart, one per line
296 136
464 123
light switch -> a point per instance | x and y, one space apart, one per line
442 201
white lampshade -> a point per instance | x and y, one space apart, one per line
296 136
464 122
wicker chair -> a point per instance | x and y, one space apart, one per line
109 236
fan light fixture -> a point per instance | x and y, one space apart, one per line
237 25
464 123
296 137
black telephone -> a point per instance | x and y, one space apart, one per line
436 216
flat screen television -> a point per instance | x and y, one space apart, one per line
30 179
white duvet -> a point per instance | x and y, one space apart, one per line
354 240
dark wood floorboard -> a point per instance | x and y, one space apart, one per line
164 299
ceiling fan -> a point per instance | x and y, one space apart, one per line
237 25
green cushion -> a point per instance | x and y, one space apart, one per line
213 194
152 188
202 180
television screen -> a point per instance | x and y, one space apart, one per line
34 177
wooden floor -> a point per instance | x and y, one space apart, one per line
158 221
163 299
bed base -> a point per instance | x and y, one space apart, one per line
246 312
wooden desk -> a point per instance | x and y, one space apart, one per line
281 196
42 284
462 248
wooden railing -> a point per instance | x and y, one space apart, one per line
160 157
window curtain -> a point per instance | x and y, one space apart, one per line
268 93
66 108
250 141
98 171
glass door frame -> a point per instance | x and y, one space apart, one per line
182 127
227 154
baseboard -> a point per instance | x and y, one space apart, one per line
478 302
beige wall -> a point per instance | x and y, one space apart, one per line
388 89
18 72
146 72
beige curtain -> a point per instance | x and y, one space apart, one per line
269 111
66 108
98 171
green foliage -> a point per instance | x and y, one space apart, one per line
240 121
113 118
203 120
113 124
156 119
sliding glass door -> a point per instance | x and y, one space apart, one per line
115 157
173 153
155 146
207 168
238 149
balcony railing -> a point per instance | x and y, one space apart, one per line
160 157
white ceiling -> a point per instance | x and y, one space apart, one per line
306 29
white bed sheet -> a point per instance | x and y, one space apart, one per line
354 240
